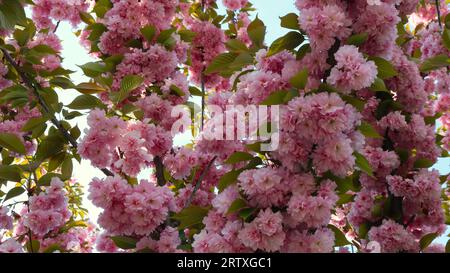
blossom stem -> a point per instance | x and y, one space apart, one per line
438 12
34 87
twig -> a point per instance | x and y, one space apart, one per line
438 9
56 27
34 87
199 182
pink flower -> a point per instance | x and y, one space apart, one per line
10 246
234 4
393 238
352 71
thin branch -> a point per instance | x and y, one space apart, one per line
34 87
438 9
199 182
203 100
56 27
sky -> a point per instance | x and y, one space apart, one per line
73 54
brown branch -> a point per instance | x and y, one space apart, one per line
438 9
159 171
199 182
34 87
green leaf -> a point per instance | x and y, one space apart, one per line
12 143
220 62
194 91
176 90
124 242
33 123
89 88
46 179
94 69
368 131
237 205
101 7
300 79
246 213
165 35
385 69
276 98
187 35
86 101
11 13
66 168
237 46
363 164
238 157
426 240
339 237
378 85
355 102
33 246
447 247
228 179
446 38
62 82
55 161
190 216
357 39
290 21
148 32
423 163
257 31
435 62
128 84
87 18
14 192
10 173
287 42
52 248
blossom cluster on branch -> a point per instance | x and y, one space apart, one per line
357 95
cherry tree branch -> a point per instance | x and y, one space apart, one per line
34 87
199 182
438 9
159 171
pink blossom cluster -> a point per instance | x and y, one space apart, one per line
76 239
51 61
234 4
48 210
324 24
44 11
130 209
393 237
208 42
154 65
124 25
11 246
352 71
127 147
326 122
6 221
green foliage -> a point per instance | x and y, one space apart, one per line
287 42
363 164
290 21
12 142
124 242
190 217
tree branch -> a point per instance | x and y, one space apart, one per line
159 171
199 182
34 87
438 9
